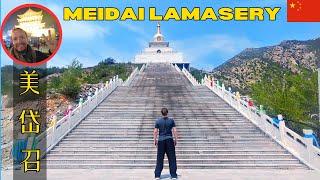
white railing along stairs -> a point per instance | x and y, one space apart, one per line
53 135
300 147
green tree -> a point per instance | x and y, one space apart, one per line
71 79
293 95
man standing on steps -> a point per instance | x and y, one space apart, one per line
165 143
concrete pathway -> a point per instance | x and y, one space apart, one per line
183 174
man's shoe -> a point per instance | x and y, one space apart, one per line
157 178
174 178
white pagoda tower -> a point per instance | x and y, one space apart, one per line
160 52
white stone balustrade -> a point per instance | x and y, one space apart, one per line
299 146
142 68
176 67
190 77
53 135
131 77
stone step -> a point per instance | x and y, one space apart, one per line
180 143
159 103
182 156
157 106
181 133
176 115
188 127
178 151
191 128
180 130
181 166
70 148
150 135
187 138
149 140
153 116
179 146
179 161
172 111
182 122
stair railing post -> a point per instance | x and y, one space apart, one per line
54 126
282 127
308 137
96 97
238 98
69 116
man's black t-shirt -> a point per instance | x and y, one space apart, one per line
165 126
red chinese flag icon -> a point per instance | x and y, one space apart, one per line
303 10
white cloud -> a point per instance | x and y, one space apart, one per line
79 29
83 30
197 48
132 27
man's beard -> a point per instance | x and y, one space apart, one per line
24 50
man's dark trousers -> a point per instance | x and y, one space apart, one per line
166 146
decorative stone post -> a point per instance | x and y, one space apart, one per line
53 121
261 109
107 83
282 126
110 84
69 109
211 81
53 124
238 96
80 102
308 137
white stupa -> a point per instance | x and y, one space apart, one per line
160 52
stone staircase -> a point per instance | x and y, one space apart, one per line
118 133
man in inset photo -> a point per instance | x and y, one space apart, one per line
22 51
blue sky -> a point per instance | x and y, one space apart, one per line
205 44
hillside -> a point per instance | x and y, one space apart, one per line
249 66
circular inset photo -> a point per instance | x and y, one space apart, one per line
31 34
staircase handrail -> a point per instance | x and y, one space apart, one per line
176 67
54 134
300 147
142 68
131 77
190 77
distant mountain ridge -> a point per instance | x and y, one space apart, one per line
251 64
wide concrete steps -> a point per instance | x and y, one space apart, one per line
118 134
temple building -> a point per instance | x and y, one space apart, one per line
31 22
160 52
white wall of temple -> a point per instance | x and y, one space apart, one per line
162 49
159 58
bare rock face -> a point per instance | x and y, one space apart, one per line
248 66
